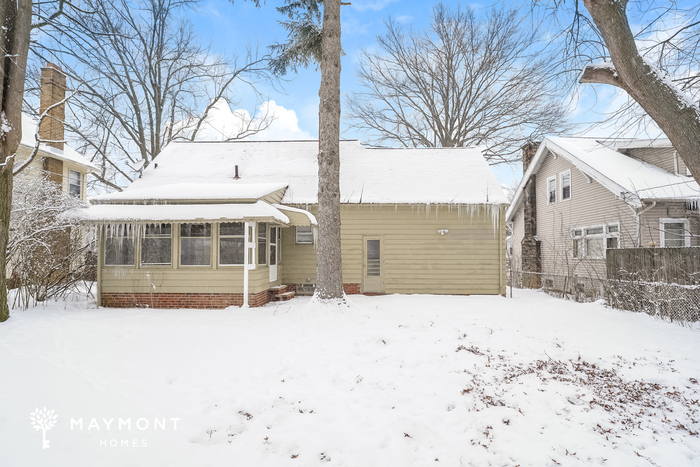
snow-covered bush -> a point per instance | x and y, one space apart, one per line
48 254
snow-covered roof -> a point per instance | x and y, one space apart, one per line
68 154
105 213
367 175
631 179
183 191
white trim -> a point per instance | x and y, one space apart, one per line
561 184
548 191
670 220
675 162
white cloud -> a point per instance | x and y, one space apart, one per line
404 19
374 5
223 123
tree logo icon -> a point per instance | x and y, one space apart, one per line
43 420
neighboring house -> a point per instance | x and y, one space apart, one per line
55 160
580 197
211 225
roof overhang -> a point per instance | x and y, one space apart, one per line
146 213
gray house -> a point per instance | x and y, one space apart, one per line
580 197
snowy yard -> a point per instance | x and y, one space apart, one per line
393 381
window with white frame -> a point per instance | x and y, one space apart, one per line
262 243
195 244
305 235
674 233
119 245
565 185
231 243
592 242
156 244
74 183
551 190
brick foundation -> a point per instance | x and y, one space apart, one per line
182 300
350 289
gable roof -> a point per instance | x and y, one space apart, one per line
68 154
630 179
205 171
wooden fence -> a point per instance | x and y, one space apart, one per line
669 265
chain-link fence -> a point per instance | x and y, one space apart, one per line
669 301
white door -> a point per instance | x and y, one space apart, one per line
274 247
373 274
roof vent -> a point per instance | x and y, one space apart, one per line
236 177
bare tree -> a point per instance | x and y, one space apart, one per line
144 79
657 64
465 80
15 33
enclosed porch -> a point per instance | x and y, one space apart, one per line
193 256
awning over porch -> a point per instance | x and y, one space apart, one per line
144 213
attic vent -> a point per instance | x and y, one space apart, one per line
236 177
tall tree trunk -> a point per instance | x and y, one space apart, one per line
16 17
329 270
5 209
673 112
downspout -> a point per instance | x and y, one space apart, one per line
638 218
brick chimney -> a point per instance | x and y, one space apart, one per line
53 90
531 249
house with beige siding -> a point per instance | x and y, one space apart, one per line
215 224
55 160
581 197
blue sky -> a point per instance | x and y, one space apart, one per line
229 27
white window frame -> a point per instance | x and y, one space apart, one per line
561 184
550 179
582 247
296 235
80 183
670 220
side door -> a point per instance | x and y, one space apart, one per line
373 264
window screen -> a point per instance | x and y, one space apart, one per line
674 234
231 243
119 245
195 244
262 243
566 185
552 190
156 244
305 235
373 258
74 183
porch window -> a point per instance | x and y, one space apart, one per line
119 245
74 183
231 243
262 242
156 244
195 244
274 245
551 190
566 185
305 235
674 233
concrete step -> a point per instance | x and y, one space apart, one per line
284 296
